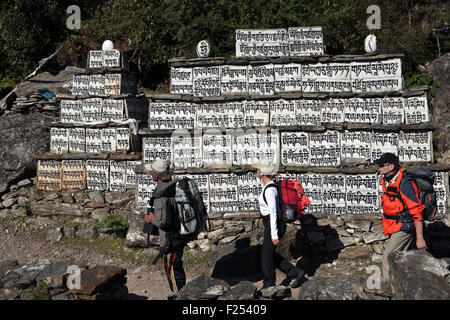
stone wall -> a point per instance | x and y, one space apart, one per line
73 213
323 230
43 279
320 231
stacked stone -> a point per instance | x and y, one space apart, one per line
89 171
417 275
333 116
102 283
93 146
34 103
43 279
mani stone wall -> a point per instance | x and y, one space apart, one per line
320 119
327 140
89 171
94 144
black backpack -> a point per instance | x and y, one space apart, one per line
424 180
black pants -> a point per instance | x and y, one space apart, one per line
271 259
173 265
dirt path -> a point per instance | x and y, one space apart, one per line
144 280
24 242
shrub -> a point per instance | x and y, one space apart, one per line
39 292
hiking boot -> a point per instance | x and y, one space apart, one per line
294 280
172 297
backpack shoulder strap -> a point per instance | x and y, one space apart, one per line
407 177
272 185
395 192
405 213
412 179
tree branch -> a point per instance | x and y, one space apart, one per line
4 101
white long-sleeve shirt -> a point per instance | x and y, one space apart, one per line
270 208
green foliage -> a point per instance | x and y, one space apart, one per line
153 31
25 206
195 259
39 292
114 221
29 29
423 78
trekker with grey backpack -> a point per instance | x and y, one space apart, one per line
178 211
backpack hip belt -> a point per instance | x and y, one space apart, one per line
403 216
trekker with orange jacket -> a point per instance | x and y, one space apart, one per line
402 209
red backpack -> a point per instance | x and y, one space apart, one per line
291 199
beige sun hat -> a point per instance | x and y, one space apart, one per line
266 168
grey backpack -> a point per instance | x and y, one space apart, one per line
424 180
192 214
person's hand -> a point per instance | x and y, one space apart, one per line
275 242
149 217
421 244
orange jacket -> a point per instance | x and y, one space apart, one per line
394 207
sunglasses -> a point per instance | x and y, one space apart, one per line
383 165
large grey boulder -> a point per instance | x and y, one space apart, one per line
203 287
278 292
22 138
417 275
24 276
244 290
331 288
58 84
439 69
135 237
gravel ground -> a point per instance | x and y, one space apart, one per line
144 280
25 240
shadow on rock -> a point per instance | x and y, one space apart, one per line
239 262
308 243
136 297
311 244
438 243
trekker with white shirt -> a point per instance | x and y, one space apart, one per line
274 229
